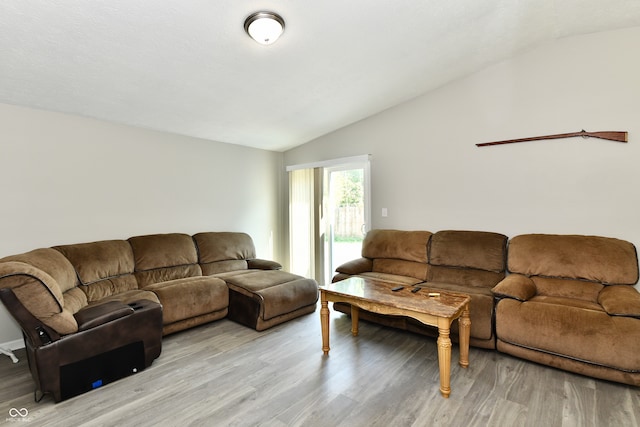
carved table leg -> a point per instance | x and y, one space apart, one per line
355 316
324 322
444 356
465 331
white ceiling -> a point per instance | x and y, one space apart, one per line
187 67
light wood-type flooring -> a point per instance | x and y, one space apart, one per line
224 374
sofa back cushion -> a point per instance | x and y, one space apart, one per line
482 250
104 268
474 258
398 252
41 279
588 258
396 244
220 252
163 257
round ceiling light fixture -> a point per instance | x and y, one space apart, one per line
264 27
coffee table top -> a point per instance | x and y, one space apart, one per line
447 304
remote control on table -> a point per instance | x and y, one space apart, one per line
397 288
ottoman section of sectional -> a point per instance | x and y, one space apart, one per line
191 301
265 298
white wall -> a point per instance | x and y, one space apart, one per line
430 175
67 179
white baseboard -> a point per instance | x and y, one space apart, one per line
8 347
12 345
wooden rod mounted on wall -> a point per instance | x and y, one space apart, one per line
609 135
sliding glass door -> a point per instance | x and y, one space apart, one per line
346 200
329 213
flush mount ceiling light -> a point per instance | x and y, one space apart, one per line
264 27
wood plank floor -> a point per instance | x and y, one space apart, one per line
224 374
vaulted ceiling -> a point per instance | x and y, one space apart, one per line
187 67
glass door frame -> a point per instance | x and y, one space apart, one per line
323 273
329 269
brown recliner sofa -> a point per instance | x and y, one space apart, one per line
102 306
69 342
471 262
570 303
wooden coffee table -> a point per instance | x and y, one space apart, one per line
376 296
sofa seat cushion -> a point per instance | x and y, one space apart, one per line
268 294
577 333
394 278
189 297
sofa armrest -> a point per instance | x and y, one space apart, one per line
33 329
39 294
356 266
90 317
263 264
620 300
515 286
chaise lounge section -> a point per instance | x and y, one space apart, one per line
261 295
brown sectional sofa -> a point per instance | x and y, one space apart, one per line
565 301
100 309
